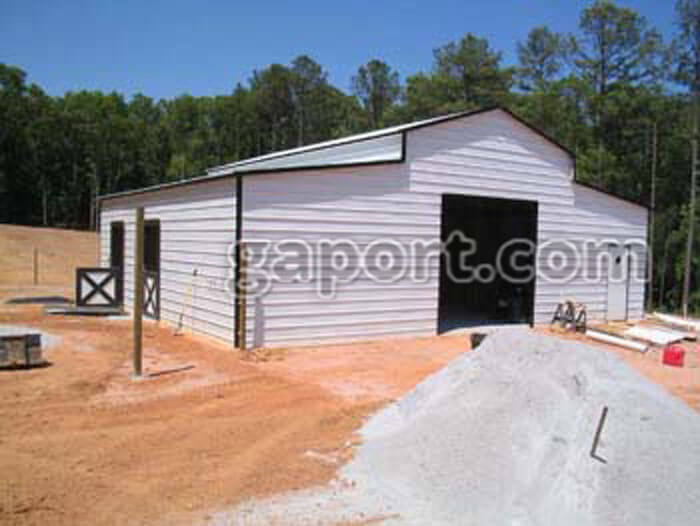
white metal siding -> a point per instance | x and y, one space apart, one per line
493 155
197 225
490 155
356 204
369 150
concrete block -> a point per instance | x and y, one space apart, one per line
20 350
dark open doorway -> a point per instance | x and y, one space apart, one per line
116 256
151 269
487 272
151 245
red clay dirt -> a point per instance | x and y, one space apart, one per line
82 442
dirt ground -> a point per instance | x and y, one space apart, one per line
59 253
81 441
208 427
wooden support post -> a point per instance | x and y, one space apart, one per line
138 294
36 266
242 290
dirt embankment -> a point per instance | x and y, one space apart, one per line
59 253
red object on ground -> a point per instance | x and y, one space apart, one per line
674 355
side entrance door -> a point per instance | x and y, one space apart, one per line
618 282
116 257
151 267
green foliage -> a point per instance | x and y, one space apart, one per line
542 58
378 87
616 47
687 46
470 72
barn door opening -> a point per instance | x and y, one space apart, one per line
151 269
487 267
116 257
618 282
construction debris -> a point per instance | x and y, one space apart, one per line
655 335
677 321
21 347
674 355
20 350
616 340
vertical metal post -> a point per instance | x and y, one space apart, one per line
242 286
36 266
138 293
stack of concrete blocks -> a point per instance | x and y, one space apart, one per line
20 350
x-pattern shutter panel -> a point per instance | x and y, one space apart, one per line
96 287
151 295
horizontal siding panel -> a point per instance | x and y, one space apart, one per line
460 166
337 333
481 189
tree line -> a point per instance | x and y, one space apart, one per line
618 95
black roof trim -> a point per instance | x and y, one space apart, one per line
573 156
208 178
611 194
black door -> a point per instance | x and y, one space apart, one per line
487 270
151 245
116 257
151 267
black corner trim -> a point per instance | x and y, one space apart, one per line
237 257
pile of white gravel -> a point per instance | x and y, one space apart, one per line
503 435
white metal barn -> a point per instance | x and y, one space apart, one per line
341 236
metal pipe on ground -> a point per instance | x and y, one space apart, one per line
688 324
616 340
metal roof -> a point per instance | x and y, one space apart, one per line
375 150
288 156
289 159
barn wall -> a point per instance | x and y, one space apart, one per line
493 155
490 154
345 204
197 232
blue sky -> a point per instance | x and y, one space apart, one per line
166 48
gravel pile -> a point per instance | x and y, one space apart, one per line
503 435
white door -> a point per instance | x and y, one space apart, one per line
617 282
